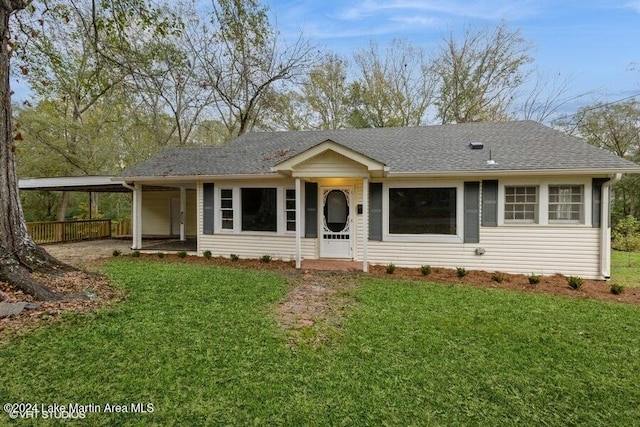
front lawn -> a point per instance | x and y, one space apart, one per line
203 345
625 268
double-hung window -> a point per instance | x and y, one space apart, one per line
290 209
521 204
566 203
226 208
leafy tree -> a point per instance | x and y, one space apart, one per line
19 255
478 76
616 128
243 58
325 91
77 54
322 102
626 236
394 88
173 85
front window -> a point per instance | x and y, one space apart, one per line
259 209
290 209
521 204
566 203
226 208
422 211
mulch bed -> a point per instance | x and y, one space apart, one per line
555 284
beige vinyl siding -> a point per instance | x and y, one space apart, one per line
252 246
518 250
330 164
156 212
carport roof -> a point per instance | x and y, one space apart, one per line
94 184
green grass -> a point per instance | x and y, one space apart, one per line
203 345
625 268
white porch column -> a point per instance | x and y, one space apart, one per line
298 223
183 209
365 224
136 223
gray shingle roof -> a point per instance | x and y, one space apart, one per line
515 146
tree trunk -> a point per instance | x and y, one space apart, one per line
19 254
64 204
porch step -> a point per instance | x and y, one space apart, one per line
331 264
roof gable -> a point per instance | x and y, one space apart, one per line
330 158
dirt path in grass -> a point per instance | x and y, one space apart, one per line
316 306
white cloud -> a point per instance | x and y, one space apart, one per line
486 10
633 5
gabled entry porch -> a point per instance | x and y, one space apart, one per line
336 183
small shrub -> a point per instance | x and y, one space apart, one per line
497 277
234 257
617 288
534 279
135 254
391 267
160 254
116 252
182 254
206 254
575 282
266 259
461 272
425 270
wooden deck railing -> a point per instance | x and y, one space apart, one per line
121 228
69 231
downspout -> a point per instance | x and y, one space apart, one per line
605 226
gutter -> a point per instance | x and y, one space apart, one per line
605 227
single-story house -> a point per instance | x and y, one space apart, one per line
515 197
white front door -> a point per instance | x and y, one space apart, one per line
336 229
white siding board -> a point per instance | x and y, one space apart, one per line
330 164
249 246
541 250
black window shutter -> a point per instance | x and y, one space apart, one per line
596 204
375 211
471 212
490 203
207 208
310 209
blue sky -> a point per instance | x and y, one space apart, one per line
596 43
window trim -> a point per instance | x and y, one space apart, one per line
579 221
234 206
427 238
543 184
536 212
285 210
236 188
